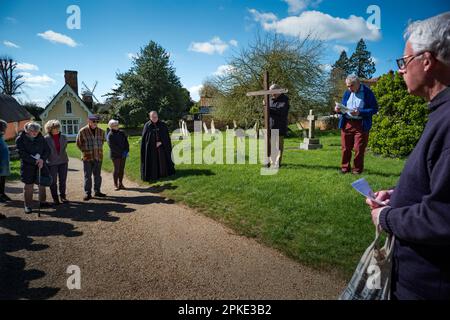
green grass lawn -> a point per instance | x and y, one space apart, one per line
309 211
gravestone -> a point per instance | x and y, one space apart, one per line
205 127
213 128
311 143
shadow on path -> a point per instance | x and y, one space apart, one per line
14 278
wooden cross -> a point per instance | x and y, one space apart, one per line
266 93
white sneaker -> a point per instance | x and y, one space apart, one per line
28 210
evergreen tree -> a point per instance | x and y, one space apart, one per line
343 63
151 84
361 63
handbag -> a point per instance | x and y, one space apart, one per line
44 180
372 277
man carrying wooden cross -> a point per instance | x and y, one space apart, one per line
278 111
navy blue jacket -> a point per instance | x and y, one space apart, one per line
118 144
279 110
370 108
28 148
420 213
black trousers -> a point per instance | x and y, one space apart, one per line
59 171
2 185
119 170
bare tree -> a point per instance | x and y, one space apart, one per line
10 81
293 63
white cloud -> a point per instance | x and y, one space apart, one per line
223 70
215 45
263 17
58 38
195 92
10 44
37 81
132 56
11 20
326 67
27 67
297 6
321 25
234 43
338 48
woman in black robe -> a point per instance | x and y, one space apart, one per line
156 150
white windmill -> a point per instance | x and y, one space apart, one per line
88 95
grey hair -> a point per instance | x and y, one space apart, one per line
431 35
32 126
52 124
352 79
113 123
274 87
3 125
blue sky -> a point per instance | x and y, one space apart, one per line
200 35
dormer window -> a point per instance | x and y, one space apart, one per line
68 107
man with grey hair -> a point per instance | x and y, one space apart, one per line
418 209
355 123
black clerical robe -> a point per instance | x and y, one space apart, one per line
156 162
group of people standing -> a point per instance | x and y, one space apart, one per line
44 160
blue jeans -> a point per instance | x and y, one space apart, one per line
92 168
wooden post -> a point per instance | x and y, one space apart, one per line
267 116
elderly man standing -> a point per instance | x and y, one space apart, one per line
355 123
278 111
418 211
90 141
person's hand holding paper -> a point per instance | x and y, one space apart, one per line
376 199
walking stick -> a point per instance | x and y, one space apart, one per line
39 190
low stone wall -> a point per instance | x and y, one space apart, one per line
323 123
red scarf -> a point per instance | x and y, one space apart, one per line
57 143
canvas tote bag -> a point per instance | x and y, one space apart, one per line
372 277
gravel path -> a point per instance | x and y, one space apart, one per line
136 244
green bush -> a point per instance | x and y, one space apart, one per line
131 113
401 118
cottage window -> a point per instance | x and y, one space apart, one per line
68 107
70 127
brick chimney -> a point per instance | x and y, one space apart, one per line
71 78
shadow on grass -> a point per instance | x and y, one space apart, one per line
181 173
14 278
337 169
154 188
142 200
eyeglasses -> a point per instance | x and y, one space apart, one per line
403 62
95 121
